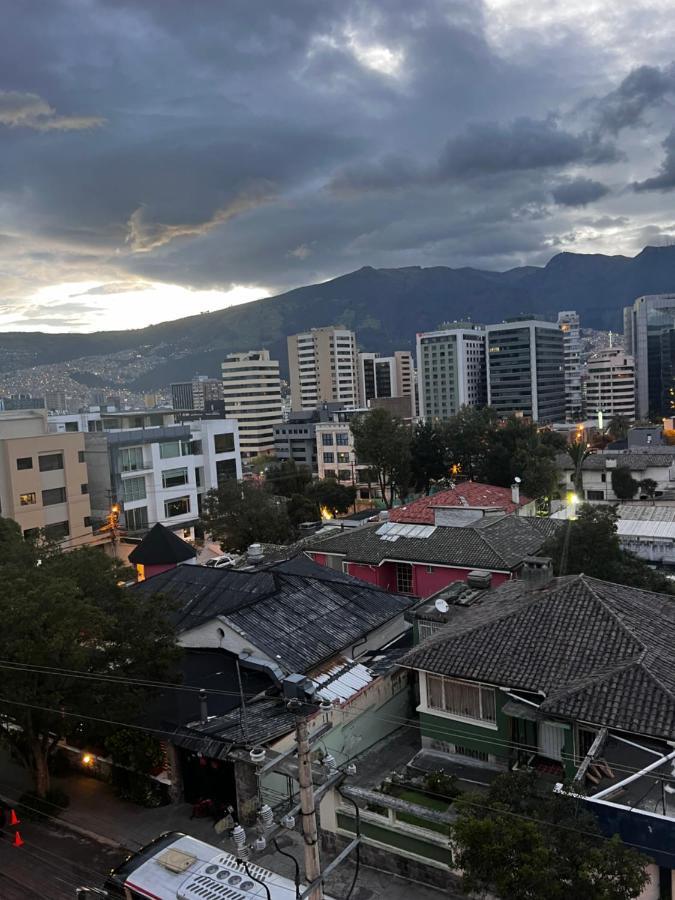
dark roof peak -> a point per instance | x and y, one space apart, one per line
161 546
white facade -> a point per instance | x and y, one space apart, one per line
323 367
569 324
450 371
336 458
610 384
252 396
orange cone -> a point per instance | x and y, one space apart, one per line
13 818
18 840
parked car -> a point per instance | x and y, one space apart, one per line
226 561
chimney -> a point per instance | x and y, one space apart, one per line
203 708
515 492
254 554
537 572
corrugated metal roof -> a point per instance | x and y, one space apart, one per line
342 680
648 529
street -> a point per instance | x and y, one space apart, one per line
52 863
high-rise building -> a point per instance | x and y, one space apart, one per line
569 324
610 384
385 376
525 369
56 401
182 395
450 370
252 396
649 337
44 479
322 367
206 391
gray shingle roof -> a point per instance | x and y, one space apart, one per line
637 462
299 620
264 721
601 652
497 544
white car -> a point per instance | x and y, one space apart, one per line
221 562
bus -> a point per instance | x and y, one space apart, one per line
176 866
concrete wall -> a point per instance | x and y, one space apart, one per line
427 579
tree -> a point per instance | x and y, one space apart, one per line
241 513
382 442
618 427
590 544
515 448
519 845
287 478
301 508
623 484
578 452
68 614
649 486
331 495
428 455
469 438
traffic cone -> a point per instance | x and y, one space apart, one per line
18 840
13 818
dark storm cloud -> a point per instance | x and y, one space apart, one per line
665 179
272 144
579 192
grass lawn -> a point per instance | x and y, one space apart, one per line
420 799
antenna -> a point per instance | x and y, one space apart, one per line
441 605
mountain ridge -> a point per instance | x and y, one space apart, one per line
386 307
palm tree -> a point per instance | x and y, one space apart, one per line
578 452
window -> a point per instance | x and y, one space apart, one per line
80 456
133 489
595 495
327 439
49 462
71 426
136 519
223 443
174 448
57 531
131 459
343 457
84 488
178 507
27 499
31 534
461 699
342 438
52 496
329 457
174 477
24 462
87 521
329 473
404 578
426 628
225 470
344 475
199 476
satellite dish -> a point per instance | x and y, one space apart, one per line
441 605
517 480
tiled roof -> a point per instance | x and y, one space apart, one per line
299 620
600 652
636 462
465 495
496 544
259 723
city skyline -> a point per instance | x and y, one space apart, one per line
158 164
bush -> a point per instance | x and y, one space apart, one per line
41 808
442 784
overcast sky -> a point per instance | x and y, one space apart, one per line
162 157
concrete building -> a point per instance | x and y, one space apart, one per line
198 394
569 324
43 479
610 385
657 465
383 377
295 438
182 395
156 468
322 367
649 337
450 370
525 369
252 396
336 457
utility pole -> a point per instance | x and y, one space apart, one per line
309 828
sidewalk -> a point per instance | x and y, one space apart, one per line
96 812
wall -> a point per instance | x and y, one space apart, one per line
425 583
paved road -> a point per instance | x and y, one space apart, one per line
51 863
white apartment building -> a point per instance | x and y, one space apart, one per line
610 384
155 469
336 457
385 376
450 371
570 325
252 396
322 367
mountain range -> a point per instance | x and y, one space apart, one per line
386 307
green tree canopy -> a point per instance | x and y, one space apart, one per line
382 442
578 452
521 845
515 448
329 493
429 457
468 440
623 484
287 478
590 544
241 513
65 612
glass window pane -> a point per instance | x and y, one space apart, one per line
133 489
174 477
48 462
489 711
462 699
53 495
223 443
435 692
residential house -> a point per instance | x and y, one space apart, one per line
289 629
658 465
422 559
572 677
468 495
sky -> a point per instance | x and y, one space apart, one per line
160 158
